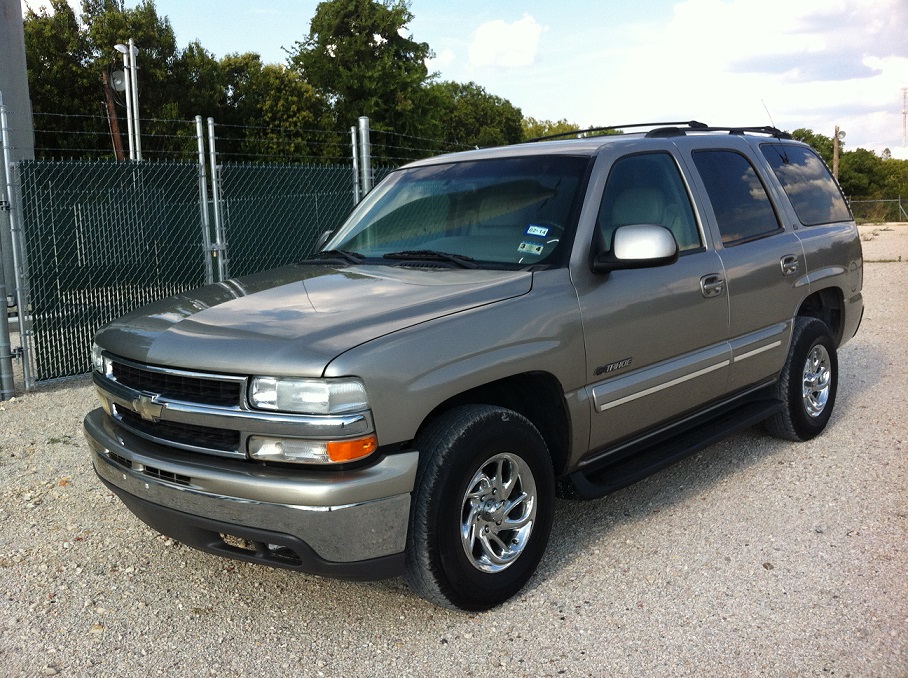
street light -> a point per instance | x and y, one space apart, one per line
132 98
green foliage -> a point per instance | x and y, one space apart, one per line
291 114
534 129
57 54
467 115
863 175
357 56
822 145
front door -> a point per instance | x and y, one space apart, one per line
656 338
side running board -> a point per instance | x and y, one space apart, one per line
655 455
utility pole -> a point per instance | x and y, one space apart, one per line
112 118
835 153
904 116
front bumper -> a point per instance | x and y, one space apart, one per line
348 524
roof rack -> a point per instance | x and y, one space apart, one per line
671 129
677 131
693 124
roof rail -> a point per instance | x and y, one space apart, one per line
692 124
677 131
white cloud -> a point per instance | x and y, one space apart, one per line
442 60
501 44
815 63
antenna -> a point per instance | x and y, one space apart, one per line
766 108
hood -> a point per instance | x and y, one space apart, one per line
296 319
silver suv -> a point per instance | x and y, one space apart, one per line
486 330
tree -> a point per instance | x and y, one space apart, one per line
533 128
862 174
57 56
821 144
467 115
290 117
357 56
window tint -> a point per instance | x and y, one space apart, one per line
810 187
501 211
648 189
739 200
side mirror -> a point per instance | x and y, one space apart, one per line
637 246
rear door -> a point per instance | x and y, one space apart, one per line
763 261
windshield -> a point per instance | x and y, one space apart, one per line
506 211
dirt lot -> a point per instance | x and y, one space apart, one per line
754 557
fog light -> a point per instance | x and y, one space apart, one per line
299 451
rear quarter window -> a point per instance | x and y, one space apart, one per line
813 192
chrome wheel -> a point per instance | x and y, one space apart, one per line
816 380
497 513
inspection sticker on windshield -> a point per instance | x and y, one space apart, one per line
541 231
530 248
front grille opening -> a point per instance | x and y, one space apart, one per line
202 437
284 554
238 542
122 461
179 387
278 554
167 476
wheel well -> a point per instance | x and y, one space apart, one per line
538 396
826 305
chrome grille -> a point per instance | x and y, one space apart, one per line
184 435
178 386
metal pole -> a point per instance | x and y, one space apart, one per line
203 199
365 148
133 53
355 144
220 246
127 61
7 384
18 250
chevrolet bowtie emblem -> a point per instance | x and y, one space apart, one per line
147 408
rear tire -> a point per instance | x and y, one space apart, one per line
482 507
808 383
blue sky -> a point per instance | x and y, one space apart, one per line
809 63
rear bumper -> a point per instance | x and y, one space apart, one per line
348 524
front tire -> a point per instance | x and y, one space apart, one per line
808 383
482 507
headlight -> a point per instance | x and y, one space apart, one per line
99 362
308 396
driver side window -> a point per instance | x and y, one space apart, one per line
648 189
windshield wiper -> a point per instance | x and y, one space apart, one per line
342 255
433 255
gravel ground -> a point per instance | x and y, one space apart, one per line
753 558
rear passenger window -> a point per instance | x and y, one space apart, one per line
813 193
648 189
739 200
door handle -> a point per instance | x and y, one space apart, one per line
712 285
789 264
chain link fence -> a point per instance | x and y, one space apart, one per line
101 239
274 214
879 211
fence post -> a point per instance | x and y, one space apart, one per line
15 228
365 152
203 201
355 144
7 385
220 246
